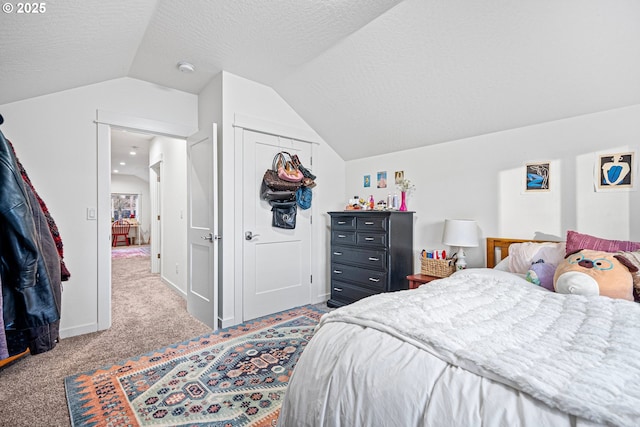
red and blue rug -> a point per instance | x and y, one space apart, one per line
235 376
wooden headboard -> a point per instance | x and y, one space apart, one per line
498 248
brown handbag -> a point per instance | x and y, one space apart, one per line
274 182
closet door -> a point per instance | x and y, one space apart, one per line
276 262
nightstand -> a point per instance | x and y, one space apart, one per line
416 280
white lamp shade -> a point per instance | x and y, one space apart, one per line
460 232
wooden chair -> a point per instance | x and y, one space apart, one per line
119 229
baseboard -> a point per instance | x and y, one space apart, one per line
225 323
78 330
173 287
321 298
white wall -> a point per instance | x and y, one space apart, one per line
250 99
55 138
481 178
130 184
173 210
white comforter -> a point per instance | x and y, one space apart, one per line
482 347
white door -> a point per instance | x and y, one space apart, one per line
202 227
276 262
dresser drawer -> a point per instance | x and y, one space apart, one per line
371 239
371 224
343 223
343 237
370 278
370 258
346 293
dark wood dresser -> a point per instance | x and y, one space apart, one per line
371 252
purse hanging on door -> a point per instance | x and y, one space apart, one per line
286 169
284 214
269 194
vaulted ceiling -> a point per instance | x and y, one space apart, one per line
370 76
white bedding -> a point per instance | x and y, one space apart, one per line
481 347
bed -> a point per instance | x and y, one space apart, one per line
483 347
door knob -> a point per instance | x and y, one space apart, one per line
249 235
211 237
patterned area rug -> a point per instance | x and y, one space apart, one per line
130 251
233 377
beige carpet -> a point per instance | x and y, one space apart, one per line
147 315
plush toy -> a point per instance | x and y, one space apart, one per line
541 273
588 272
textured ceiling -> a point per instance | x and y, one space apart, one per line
370 76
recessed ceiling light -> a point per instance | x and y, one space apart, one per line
122 163
115 171
186 67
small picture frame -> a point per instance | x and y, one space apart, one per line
382 179
367 181
537 177
399 177
616 171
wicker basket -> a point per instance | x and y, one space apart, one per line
438 267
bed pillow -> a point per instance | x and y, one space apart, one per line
577 241
523 255
503 265
633 258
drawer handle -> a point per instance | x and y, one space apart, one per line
337 271
373 259
368 239
373 279
342 222
337 289
341 236
369 223
337 253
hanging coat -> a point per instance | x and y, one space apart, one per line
28 296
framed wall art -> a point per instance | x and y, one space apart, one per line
537 177
615 171
382 179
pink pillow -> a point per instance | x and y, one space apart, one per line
577 241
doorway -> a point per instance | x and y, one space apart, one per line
106 123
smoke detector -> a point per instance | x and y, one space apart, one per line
186 67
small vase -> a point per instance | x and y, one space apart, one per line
403 205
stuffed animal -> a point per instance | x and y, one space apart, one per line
588 272
541 273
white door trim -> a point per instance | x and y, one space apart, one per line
257 124
105 120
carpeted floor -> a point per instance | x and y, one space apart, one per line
235 376
147 315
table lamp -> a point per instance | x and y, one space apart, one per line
462 233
